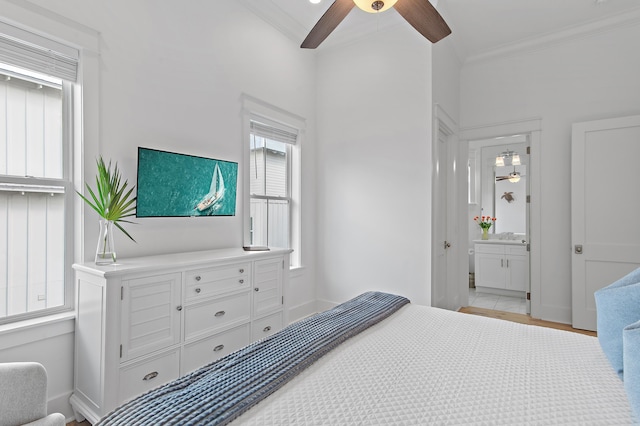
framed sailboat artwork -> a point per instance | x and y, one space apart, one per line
172 184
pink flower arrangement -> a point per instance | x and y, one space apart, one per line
485 222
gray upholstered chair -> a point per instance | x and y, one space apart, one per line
23 396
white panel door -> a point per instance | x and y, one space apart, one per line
439 285
605 202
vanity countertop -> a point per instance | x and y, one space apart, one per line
498 241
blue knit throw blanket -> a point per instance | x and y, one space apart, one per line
219 392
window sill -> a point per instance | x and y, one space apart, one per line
35 329
296 271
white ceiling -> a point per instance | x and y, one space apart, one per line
478 26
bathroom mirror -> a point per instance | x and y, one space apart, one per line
500 190
510 198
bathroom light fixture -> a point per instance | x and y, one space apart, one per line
514 176
314 1
374 6
508 158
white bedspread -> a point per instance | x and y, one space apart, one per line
427 366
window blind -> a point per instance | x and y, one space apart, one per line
274 131
25 49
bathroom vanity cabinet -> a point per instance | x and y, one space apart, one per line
502 265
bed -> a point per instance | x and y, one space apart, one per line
410 365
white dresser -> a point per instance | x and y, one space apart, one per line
501 265
149 320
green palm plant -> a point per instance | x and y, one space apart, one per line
110 200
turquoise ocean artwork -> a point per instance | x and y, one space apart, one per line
178 185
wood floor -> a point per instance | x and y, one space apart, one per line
522 319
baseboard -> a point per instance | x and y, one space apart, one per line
551 313
324 305
60 404
303 310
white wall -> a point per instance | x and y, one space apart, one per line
171 75
374 163
581 79
446 95
446 73
171 79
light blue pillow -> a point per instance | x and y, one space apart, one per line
631 343
618 305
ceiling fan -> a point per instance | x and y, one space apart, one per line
512 177
419 13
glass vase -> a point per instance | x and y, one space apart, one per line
105 251
485 233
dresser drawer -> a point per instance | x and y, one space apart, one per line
146 375
266 326
207 350
214 281
216 314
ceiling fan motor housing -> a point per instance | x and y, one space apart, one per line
374 6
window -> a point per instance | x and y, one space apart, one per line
271 149
35 179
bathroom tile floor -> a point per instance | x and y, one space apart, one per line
516 305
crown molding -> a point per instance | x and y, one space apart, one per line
278 18
626 19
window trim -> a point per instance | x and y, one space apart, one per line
253 108
26 49
85 125
66 182
289 152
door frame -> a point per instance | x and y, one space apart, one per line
532 127
447 125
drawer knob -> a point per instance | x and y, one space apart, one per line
241 271
267 329
198 277
179 308
256 289
150 376
198 290
220 313
218 348
241 281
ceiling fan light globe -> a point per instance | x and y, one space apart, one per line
367 5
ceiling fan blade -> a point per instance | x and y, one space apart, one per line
329 21
423 17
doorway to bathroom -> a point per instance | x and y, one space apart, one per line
498 200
